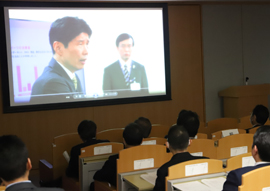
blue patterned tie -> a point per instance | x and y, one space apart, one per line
126 75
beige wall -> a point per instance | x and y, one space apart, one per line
37 129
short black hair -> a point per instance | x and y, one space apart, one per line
13 157
124 36
132 134
261 139
190 121
145 125
87 130
262 114
66 29
178 138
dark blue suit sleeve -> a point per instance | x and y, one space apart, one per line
160 181
232 182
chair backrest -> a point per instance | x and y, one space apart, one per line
134 158
221 124
154 141
159 130
253 131
218 135
113 135
244 122
194 167
201 136
203 147
240 161
60 144
2 188
256 180
234 145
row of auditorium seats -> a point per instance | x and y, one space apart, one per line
153 156
222 149
227 123
65 142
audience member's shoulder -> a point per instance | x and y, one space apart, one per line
114 157
48 189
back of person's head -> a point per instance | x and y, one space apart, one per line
262 140
87 130
13 158
262 114
178 138
122 37
66 29
189 120
145 125
132 134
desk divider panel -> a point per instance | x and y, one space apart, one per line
113 135
154 141
237 161
218 135
180 170
159 130
234 145
204 146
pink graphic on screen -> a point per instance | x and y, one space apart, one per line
29 85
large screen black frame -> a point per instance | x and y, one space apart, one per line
4 63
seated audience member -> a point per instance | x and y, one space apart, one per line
178 141
15 165
87 132
132 136
261 154
145 125
190 121
258 117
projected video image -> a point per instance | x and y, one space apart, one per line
63 55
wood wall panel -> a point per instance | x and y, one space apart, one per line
37 129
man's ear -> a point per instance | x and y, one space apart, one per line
28 164
167 144
58 47
190 141
254 151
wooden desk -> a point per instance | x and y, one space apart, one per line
171 183
133 180
139 183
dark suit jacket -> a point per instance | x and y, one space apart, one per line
54 80
234 178
108 173
163 170
25 186
73 166
114 79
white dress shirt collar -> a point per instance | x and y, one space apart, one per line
123 63
69 73
261 162
26 181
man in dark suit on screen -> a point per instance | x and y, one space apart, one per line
69 39
261 154
15 165
125 76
